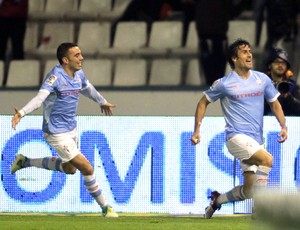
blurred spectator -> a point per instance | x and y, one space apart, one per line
13 19
279 71
149 11
212 21
281 22
154 10
188 9
139 10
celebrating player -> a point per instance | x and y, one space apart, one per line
242 93
59 93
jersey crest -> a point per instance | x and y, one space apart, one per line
215 83
51 80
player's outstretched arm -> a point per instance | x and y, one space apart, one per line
16 119
107 108
277 110
32 105
199 114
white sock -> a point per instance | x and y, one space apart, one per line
50 163
235 194
94 189
261 178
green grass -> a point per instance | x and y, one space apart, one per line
125 221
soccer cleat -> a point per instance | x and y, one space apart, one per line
213 206
18 163
109 212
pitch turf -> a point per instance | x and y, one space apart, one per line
125 221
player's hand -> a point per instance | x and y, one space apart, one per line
107 109
195 139
282 136
16 119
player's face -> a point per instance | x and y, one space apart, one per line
278 67
75 58
244 58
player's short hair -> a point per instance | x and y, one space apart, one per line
233 50
62 50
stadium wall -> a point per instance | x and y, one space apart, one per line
145 164
177 103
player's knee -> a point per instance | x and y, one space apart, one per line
87 171
268 161
69 169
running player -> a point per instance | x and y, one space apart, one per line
59 93
242 93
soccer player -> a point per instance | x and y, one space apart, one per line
241 93
60 92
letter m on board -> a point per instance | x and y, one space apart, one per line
122 190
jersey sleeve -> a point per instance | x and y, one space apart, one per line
271 93
84 80
46 88
35 102
215 92
50 83
93 94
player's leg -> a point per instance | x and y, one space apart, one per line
240 192
255 162
260 178
91 184
50 163
61 143
264 161
241 147
66 146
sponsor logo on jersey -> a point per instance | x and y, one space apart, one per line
245 95
75 92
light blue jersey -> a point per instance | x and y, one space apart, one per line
60 106
242 102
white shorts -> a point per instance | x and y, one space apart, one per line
243 147
65 144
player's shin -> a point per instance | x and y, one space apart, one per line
50 163
94 189
235 194
261 178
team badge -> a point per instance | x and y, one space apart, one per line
258 81
51 80
216 82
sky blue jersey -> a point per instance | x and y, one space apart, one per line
60 107
242 102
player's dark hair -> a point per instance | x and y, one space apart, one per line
233 50
62 50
